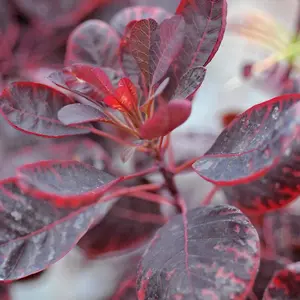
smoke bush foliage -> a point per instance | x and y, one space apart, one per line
127 85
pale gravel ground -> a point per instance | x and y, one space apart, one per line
73 278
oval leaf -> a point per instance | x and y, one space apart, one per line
285 284
166 118
211 252
33 108
79 114
35 233
257 155
93 42
66 183
137 13
83 150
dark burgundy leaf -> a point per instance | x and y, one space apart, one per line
266 271
79 114
166 119
57 13
35 233
205 25
66 183
129 222
189 83
90 82
126 290
33 108
137 13
140 42
208 253
166 42
83 150
256 158
93 42
285 284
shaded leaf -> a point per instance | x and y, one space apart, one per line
35 233
284 284
79 114
130 222
255 157
210 252
266 271
66 183
87 81
189 83
166 118
93 42
33 108
57 13
137 13
83 150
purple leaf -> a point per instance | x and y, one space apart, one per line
35 233
166 42
137 13
79 114
66 183
57 13
129 222
205 25
255 157
93 42
189 83
83 150
285 284
210 252
32 108
166 119
140 42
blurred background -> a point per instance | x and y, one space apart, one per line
28 52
